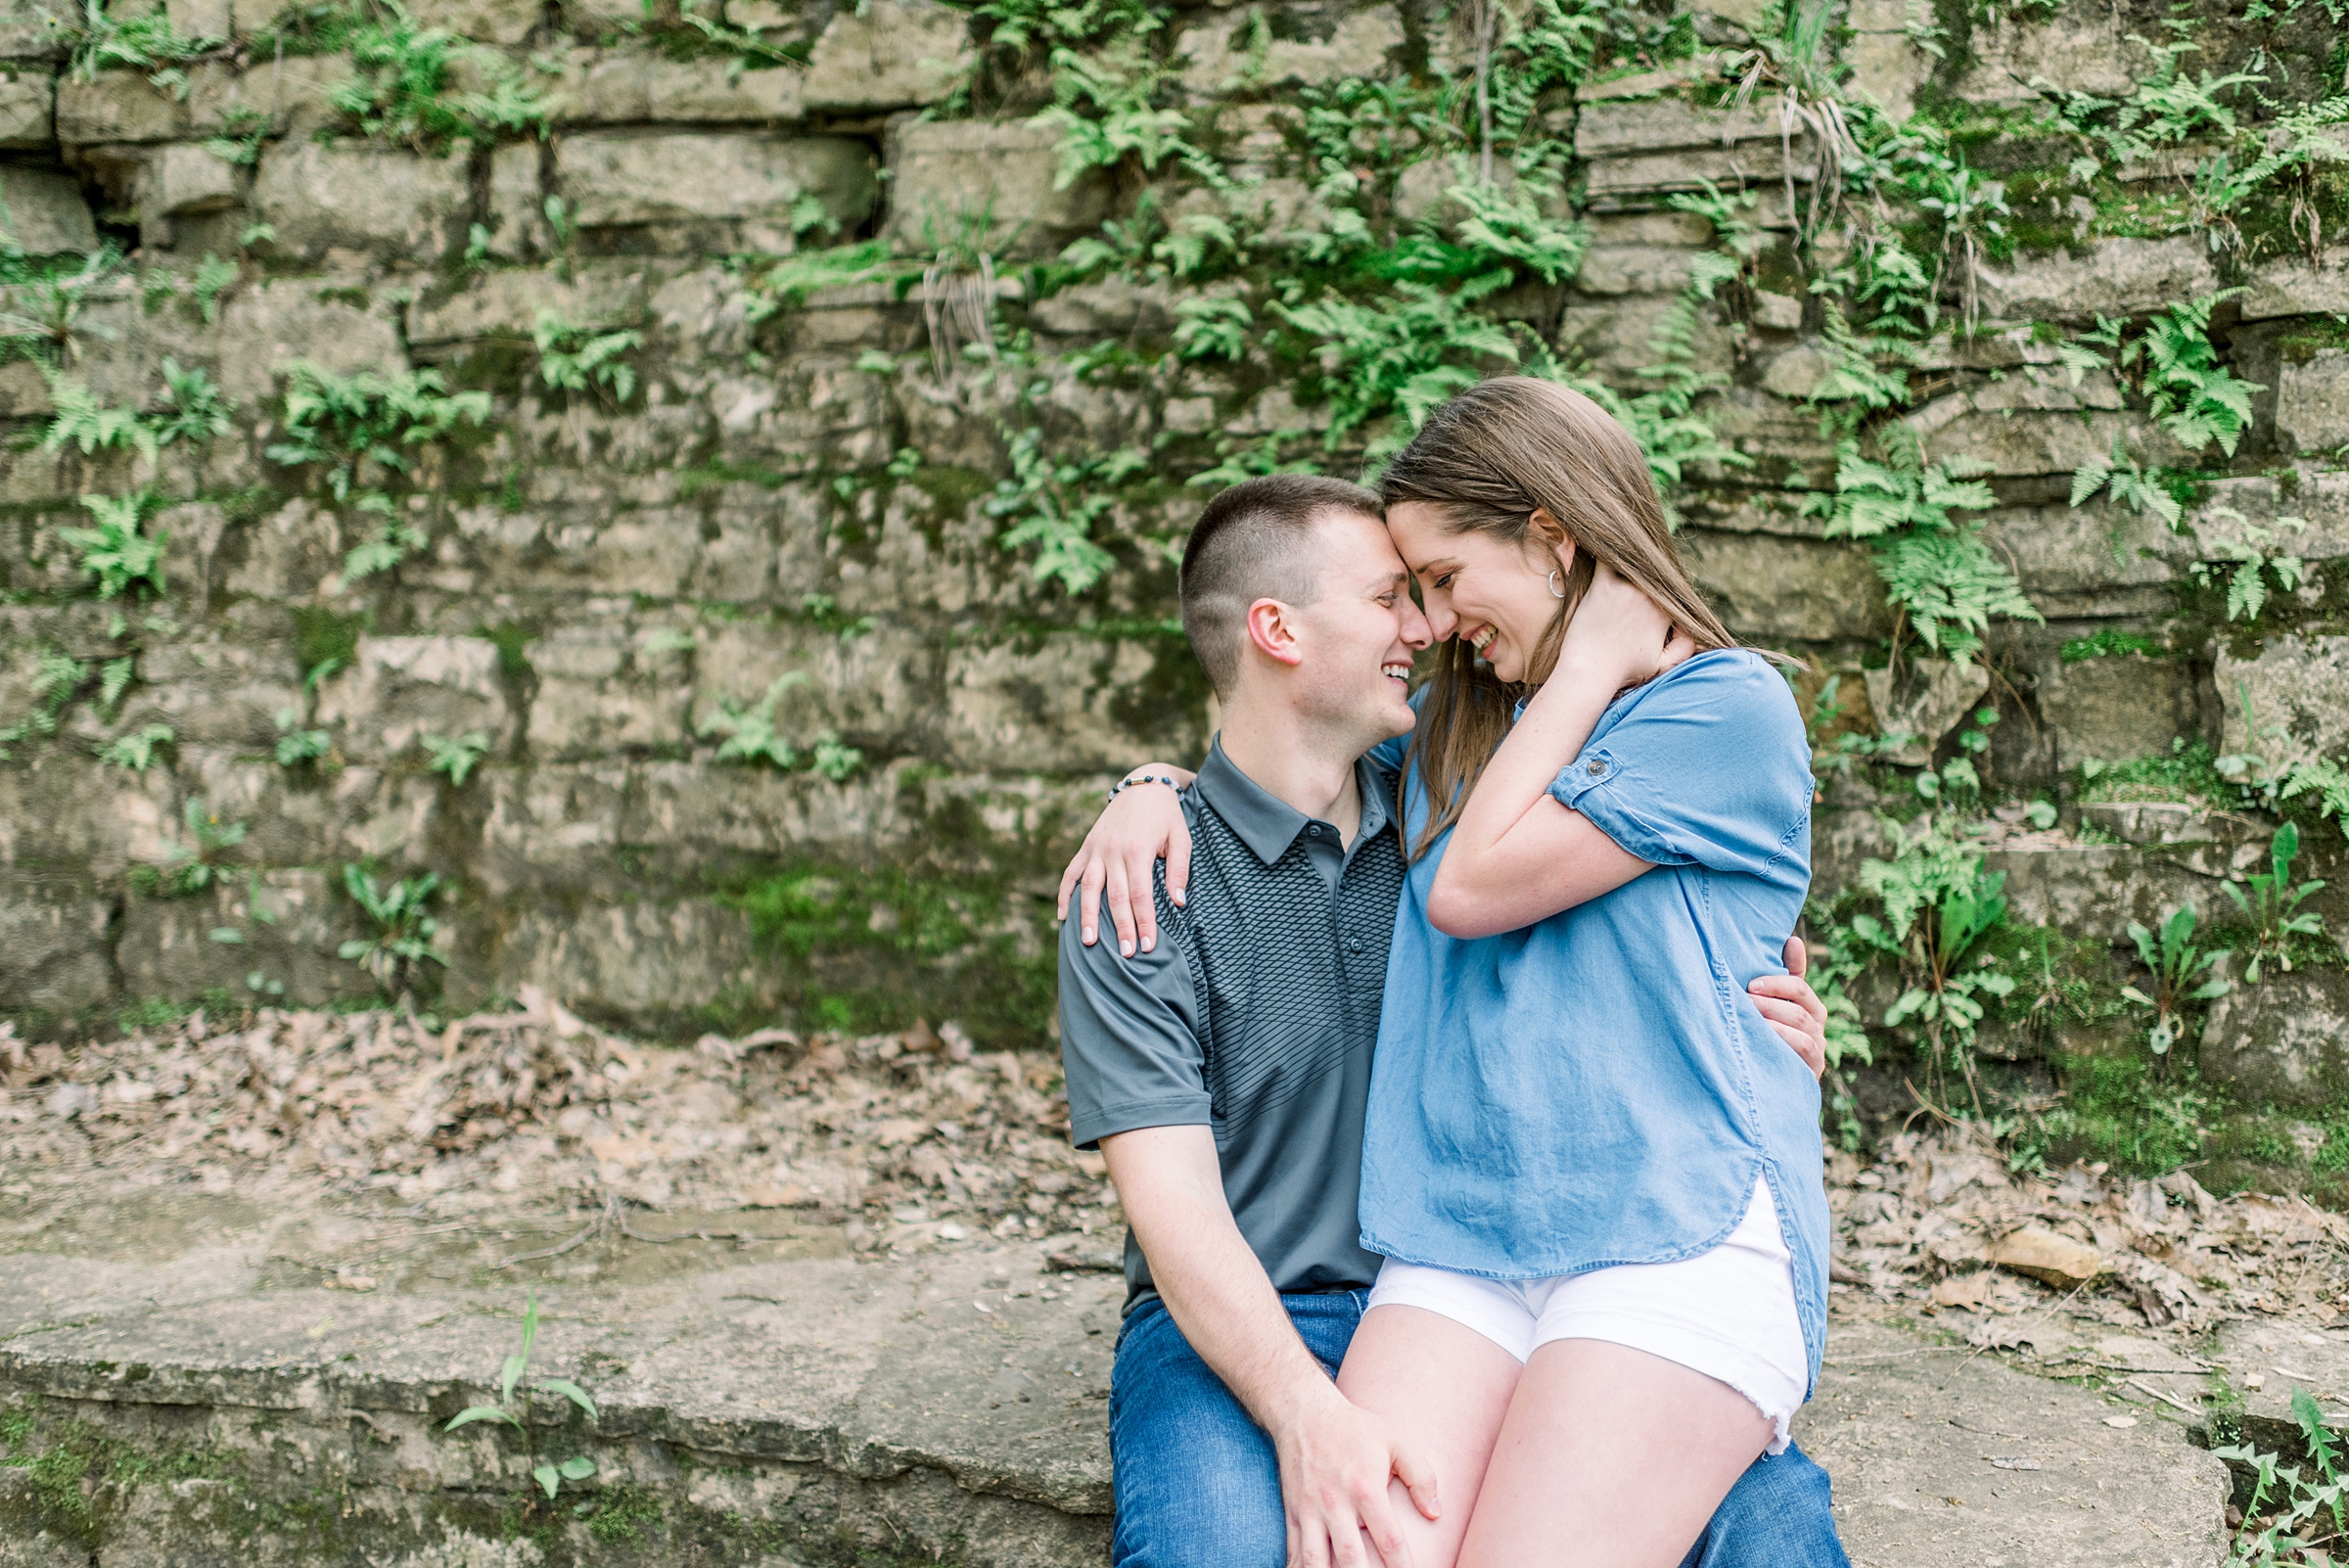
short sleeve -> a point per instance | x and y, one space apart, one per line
1704 765
1128 1038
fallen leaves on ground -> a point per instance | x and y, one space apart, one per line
910 1136
1939 1225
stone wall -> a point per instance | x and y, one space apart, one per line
814 472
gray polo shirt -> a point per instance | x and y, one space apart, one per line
1255 1015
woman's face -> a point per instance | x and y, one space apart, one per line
1493 595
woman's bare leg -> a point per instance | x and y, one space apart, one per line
1448 1387
1609 1457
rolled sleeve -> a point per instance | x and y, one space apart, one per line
1706 765
1128 1038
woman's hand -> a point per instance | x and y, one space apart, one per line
1144 824
1619 636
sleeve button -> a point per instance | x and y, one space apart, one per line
1596 768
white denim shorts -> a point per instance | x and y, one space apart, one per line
1728 1312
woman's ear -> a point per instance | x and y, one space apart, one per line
1555 541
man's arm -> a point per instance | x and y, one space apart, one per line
1334 1457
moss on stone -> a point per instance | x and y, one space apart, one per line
320 635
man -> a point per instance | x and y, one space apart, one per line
1223 1073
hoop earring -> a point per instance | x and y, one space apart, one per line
1556 591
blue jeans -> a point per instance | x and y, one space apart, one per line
1198 1485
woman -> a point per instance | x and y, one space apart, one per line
1599 1196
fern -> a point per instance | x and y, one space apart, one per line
2126 482
194 409
581 359
1400 357
135 752
2246 563
1053 506
115 552
344 421
402 86
2193 397
752 737
78 419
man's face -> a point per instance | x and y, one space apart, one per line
1360 633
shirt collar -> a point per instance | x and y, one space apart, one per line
1269 824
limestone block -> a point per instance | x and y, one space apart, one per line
265 326
516 203
1775 433
28 107
2284 1039
2033 441
2122 706
1612 128
2318 499
601 691
180 179
200 19
636 957
890 56
1219 58
1633 270
2084 49
52 949
1779 590
1747 165
164 945
615 180
401 690
602 295
1112 307
2287 285
1889 69
44 213
2072 560
1620 336
1797 372
323 195
295 95
495 22
118 106
602 20
2311 402
27 29
2116 278
631 86
2289 704
996 177
1925 702
1013 707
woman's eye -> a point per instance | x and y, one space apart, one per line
1443 581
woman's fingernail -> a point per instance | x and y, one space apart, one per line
1091 935
1178 896
1126 948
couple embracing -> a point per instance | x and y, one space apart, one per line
1450 1050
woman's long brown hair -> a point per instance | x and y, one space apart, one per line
1488 460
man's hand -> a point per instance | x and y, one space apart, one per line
1794 1010
1335 1458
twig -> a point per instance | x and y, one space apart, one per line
2166 1399
557 1249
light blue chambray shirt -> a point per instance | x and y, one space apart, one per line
1598 1088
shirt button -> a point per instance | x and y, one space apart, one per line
1354 947
1312 832
1596 768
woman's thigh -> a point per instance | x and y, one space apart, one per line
1611 1456
1446 1388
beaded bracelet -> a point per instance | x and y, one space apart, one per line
1146 778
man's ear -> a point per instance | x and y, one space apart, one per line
1273 631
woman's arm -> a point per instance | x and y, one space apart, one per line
1518 856
1143 824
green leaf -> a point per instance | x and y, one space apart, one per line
480 1413
548 1477
570 1391
511 1375
577 1469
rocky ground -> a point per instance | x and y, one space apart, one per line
541 1133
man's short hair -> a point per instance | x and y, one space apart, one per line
1249 544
